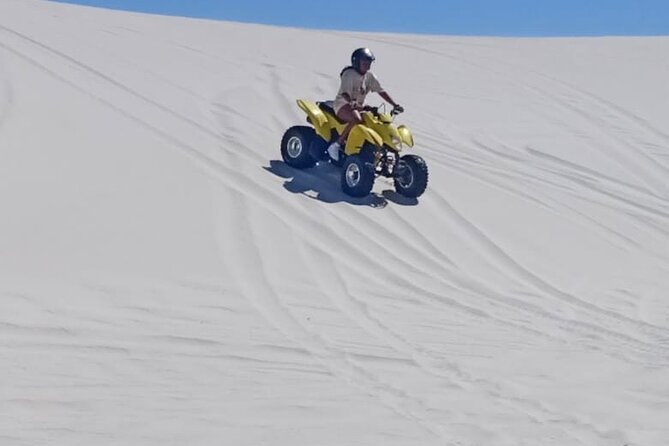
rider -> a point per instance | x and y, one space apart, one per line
356 81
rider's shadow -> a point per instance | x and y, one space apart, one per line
323 183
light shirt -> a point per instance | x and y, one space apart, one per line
357 86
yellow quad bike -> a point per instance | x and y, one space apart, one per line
372 149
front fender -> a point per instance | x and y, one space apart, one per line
316 117
405 135
357 138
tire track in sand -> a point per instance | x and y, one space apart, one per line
255 285
581 184
445 278
506 264
332 284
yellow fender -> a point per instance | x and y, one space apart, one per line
359 134
405 135
317 118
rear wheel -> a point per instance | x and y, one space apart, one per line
296 146
411 176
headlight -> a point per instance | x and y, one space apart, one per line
397 142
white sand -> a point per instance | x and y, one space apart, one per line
165 279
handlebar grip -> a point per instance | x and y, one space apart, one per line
397 109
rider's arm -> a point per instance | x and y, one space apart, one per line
375 85
347 86
387 97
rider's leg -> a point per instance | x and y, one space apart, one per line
352 117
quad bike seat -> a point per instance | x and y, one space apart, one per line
327 106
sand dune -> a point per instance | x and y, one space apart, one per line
166 279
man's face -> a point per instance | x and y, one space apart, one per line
365 65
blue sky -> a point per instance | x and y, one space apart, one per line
460 17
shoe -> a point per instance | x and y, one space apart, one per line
333 150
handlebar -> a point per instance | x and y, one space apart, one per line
375 110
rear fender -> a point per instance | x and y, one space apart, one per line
317 118
357 138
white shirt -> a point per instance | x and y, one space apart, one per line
357 86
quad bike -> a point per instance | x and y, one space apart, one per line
372 149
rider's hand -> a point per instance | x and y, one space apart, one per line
398 108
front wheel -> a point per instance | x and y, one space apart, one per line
357 175
411 176
295 147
